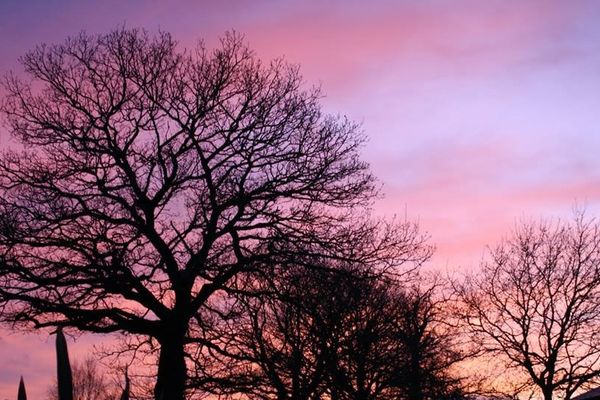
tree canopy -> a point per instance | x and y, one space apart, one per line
152 179
535 306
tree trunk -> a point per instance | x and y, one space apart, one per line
547 392
415 379
172 371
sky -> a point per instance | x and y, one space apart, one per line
479 114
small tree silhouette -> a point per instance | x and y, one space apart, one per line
21 394
536 305
64 375
89 382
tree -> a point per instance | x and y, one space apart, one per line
281 335
430 343
89 383
291 337
152 178
395 345
535 305
341 333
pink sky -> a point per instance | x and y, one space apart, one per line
479 113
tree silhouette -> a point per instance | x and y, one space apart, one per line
431 343
536 305
89 383
394 345
152 178
291 336
339 333
278 337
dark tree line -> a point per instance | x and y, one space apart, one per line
339 333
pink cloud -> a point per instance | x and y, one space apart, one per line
468 203
348 47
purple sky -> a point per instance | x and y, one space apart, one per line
479 113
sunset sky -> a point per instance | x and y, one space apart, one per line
478 113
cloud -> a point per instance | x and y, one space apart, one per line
345 47
468 196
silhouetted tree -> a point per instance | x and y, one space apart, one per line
536 305
22 393
395 346
89 383
279 337
341 333
151 178
292 336
431 345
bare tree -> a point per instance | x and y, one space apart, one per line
293 335
342 333
152 178
396 346
431 342
535 305
89 383
284 327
